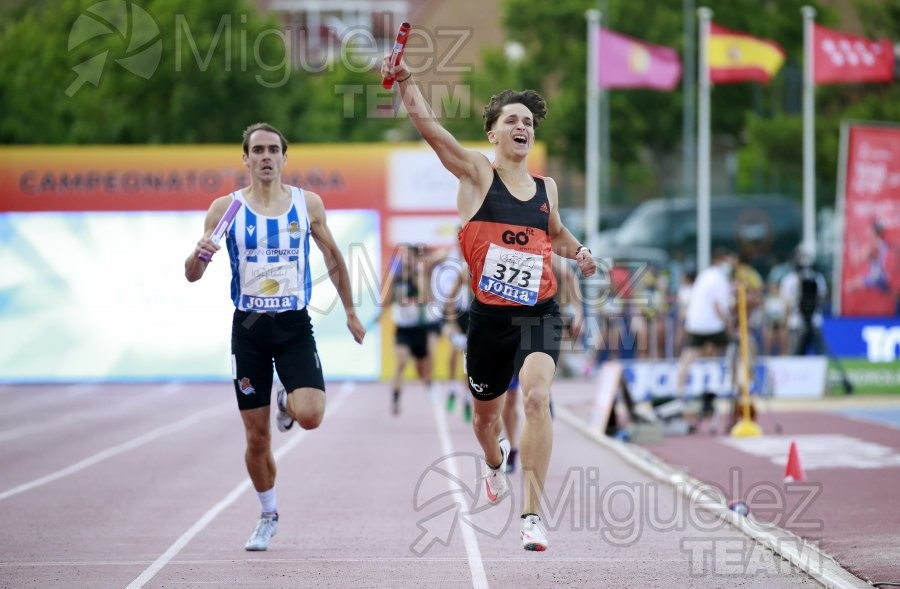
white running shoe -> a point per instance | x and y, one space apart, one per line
283 418
534 537
262 533
496 485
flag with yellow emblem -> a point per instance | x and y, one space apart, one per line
626 62
737 57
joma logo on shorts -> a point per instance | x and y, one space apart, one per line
478 388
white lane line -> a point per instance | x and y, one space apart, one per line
215 510
116 450
473 552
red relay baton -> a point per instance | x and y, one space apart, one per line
397 53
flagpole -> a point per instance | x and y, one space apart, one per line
837 248
592 153
603 170
809 131
703 141
688 84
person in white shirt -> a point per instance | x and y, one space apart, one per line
708 317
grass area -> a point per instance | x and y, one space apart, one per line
881 378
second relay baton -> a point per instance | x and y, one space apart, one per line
397 53
223 225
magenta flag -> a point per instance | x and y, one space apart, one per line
626 62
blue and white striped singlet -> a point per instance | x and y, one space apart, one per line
270 257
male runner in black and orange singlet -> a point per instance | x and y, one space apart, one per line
511 225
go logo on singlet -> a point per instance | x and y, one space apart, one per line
510 237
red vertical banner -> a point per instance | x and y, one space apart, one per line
870 264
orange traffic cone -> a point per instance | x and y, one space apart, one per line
793 472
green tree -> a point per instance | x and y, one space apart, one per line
645 126
345 102
221 66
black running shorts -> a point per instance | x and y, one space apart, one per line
698 340
258 339
501 337
415 338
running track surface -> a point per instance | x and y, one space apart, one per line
847 504
145 486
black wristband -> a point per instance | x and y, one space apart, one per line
405 79
581 247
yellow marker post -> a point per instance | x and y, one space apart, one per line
746 427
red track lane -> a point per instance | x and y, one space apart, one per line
347 498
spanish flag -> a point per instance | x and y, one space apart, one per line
738 57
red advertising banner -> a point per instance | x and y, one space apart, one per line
396 178
177 178
870 263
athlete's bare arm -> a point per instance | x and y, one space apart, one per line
472 168
334 261
194 265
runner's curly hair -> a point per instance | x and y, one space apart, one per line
531 99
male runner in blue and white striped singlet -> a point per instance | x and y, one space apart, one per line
268 244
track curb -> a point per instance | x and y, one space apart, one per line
822 567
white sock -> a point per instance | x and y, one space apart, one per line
267 501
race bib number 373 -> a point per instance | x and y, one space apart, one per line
512 275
